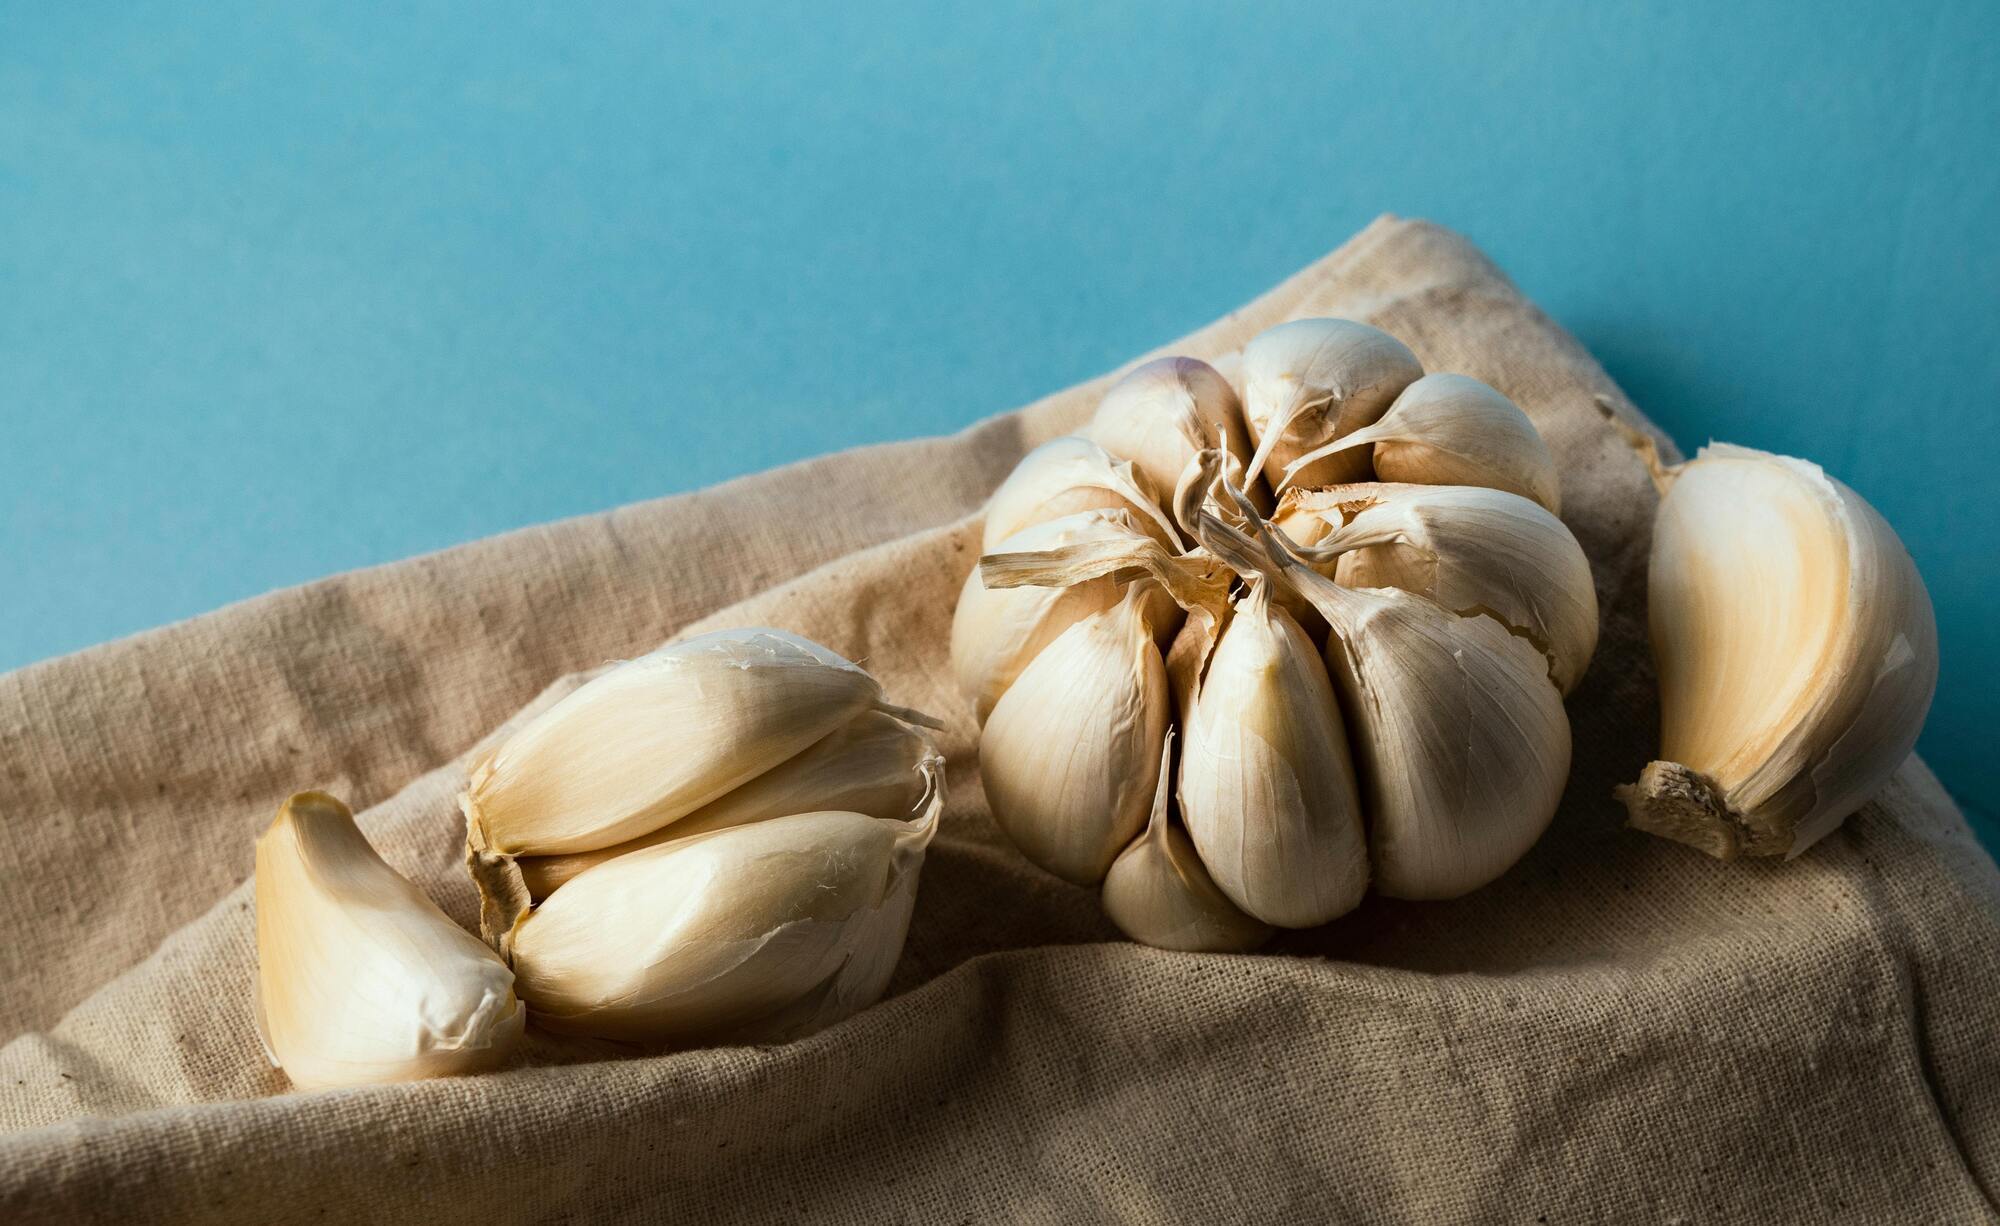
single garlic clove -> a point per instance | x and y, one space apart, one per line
874 764
757 932
1471 549
1452 430
1311 381
1797 654
658 737
997 632
1158 893
1070 755
1267 789
1066 476
1164 412
360 978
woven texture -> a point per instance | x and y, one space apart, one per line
1618 1029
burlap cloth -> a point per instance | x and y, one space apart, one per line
1619 1029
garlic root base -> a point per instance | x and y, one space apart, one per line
1687 806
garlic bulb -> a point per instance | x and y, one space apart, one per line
1162 413
874 764
1311 381
1158 893
1267 789
1471 549
658 737
1797 653
765 930
360 978
997 631
1071 753
1451 430
1063 477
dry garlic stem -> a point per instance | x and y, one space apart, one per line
761 931
1158 893
658 737
874 764
1472 550
1797 654
1162 413
1065 476
360 978
1449 430
1311 381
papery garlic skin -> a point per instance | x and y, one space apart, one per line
658 737
874 764
1158 893
1070 755
1797 652
1163 412
1311 381
361 979
1267 789
764 931
1065 476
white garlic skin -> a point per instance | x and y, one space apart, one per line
1311 381
1067 476
361 979
1163 412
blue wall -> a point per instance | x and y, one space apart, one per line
286 293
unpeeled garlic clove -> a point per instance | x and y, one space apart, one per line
764 931
1797 654
1449 430
1311 381
1066 476
360 978
1158 893
874 764
1162 413
1070 755
658 737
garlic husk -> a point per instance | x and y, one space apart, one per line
1164 412
1311 381
756 932
658 737
1469 548
1449 430
1797 654
1267 788
1066 476
874 764
996 632
360 978
1158 893
1070 755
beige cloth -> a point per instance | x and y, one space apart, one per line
1619 1029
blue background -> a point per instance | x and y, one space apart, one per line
283 293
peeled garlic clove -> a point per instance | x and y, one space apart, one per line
874 764
1471 549
658 737
1066 476
1311 381
1451 430
1266 786
360 978
1164 412
1071 753
1797 653
764 931
996 632
1158 893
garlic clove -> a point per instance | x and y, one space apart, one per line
1066 476
1797 654
1070 755
757 932
1158 893
1267 789
1471 549
360 978
1162 413
874 764
1311 381
1450 430
658 737
996 632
